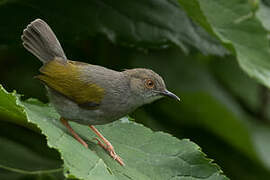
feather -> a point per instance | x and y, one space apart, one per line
39 39
65 78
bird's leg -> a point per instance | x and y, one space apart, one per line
108 146
75 135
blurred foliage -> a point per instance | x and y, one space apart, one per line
236 25
223 110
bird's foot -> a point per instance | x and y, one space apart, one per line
108 147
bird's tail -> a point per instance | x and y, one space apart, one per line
39 39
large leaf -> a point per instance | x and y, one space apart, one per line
147 155
141 23
263 14
234 23
207 105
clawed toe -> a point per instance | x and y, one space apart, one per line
105 144
109 148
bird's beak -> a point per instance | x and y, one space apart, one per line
170 94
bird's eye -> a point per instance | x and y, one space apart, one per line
149 84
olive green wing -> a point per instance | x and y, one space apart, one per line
64 77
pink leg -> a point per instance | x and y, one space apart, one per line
108 146
75 135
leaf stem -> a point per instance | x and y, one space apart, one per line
31 172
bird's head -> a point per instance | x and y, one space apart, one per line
147 86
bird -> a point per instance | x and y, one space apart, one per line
89 94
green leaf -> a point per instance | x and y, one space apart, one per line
141 23
206 104
147 154
263 14
233 21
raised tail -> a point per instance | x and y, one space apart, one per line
39 39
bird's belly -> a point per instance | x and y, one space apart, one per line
71 111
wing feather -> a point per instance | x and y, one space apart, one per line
64 77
